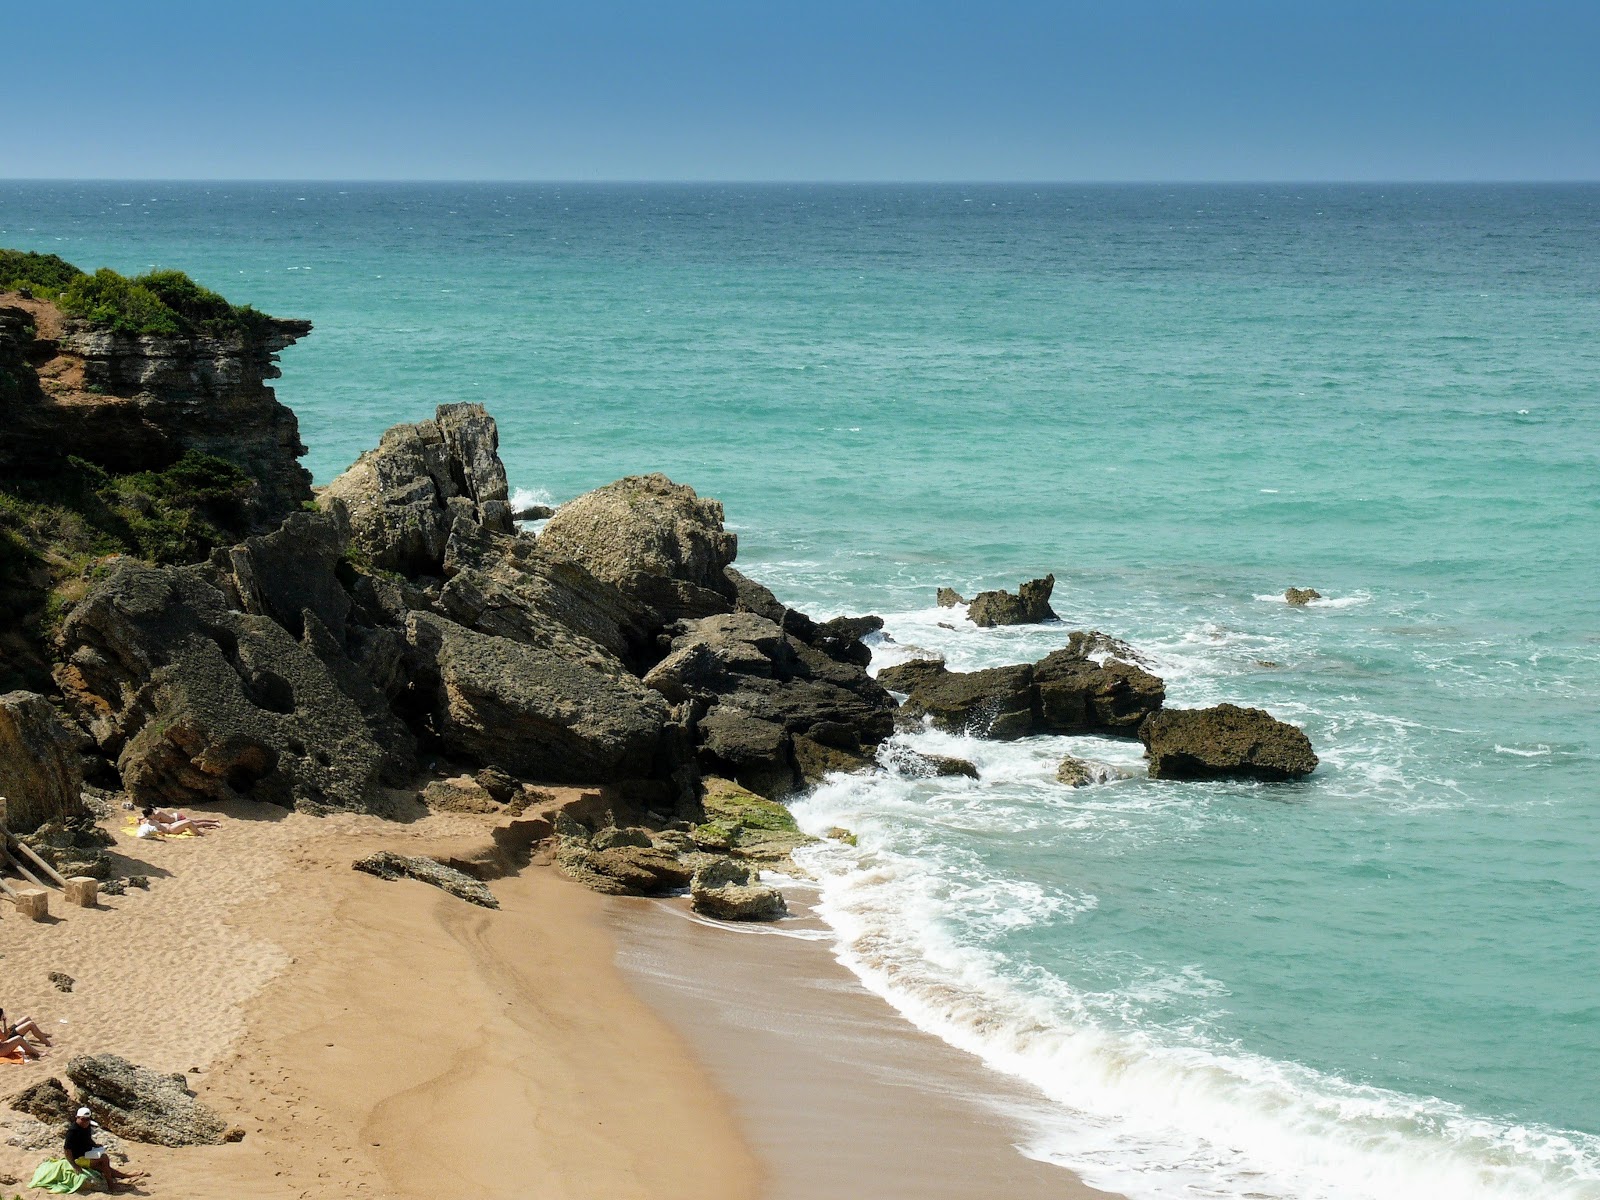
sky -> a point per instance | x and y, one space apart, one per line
1006 90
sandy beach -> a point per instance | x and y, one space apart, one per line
392 1041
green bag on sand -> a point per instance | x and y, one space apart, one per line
59 1175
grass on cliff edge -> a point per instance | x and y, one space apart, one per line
159 302
54 530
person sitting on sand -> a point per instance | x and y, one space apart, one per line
21 1030
17 1045
149 818
84 1154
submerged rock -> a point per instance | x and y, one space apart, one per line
995 703
1299 597
1029 606
1077 772
387 865
1225 741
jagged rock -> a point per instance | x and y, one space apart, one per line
45 1101
1225 741
404 497
462 794
1093 644
763 689
622 869
840 638
502 788
137 403
723 889
904 677
753 597
949 598
198 701
1301 596
1029 606
645 525
532 711
387 865
1078 695
816 760
40 775
533 512
627 835
997 703
136 1103
1076 772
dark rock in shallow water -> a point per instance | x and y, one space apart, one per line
141 1105
1299 597
903 677
1029 606
1078 695
1076 772
40 773
927 766
533 512
841 637
997 703
386 865
1225 742
949 598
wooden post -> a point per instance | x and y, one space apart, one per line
83 891
33 903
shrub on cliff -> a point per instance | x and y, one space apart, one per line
42 274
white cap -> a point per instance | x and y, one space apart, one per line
84 1112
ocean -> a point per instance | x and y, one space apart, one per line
1378 982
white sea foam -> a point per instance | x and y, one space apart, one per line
1153 1112
1349 601
1539 751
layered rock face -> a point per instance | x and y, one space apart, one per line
40 775
133 403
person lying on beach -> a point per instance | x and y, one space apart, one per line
86 1155
150 819
17 1045
172 816
23 1028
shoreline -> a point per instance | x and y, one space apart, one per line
837 1092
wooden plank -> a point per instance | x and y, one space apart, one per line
20 869
5 888
42 865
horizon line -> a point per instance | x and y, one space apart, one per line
713 182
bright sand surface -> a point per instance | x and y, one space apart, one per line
380 1039
373 1039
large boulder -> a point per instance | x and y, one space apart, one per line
198 701
40 776
622 869
645 525
1029 606
404 497
1225 741
141 1105
1079 695
536 712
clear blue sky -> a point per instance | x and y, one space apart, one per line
819 90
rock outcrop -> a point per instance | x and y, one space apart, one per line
1077 772
40 773
1300 597
405 497
1225 742
387 865
1029 606
141 1105
133 403
949 597
1066 692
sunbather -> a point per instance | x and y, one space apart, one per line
17 1045
23 1027
172 815
149 818
84 1153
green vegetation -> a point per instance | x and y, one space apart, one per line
53 530
160 302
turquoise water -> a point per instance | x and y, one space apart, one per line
1379 982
